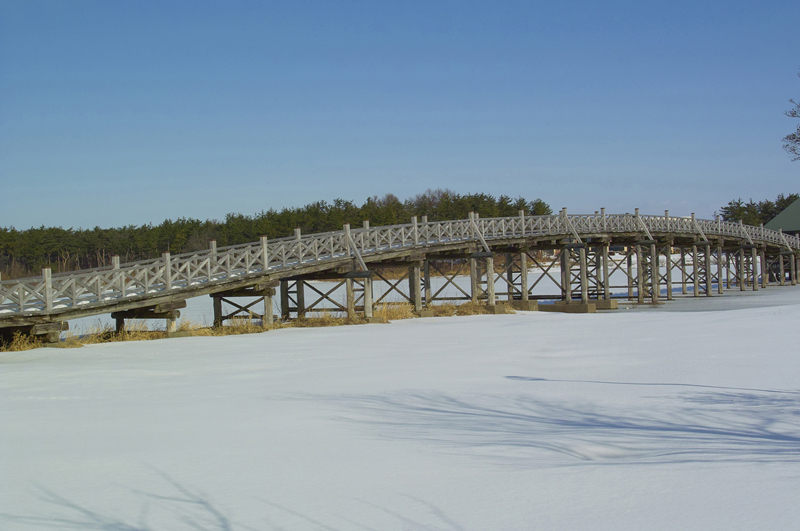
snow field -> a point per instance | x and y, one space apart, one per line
626 420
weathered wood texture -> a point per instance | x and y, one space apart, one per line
61 296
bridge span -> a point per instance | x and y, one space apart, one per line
505 259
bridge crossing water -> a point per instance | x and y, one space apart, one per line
578 253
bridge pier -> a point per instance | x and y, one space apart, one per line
263 293
169 311
293 298
701 267
359 282
647 285
46 332
667 252
482 278
515 275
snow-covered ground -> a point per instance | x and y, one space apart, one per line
635 419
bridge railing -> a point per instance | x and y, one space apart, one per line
55 293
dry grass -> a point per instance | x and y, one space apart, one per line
394 312
468 308
233 328
19 343
137 330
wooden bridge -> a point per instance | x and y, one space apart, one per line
505 258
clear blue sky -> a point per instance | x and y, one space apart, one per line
115 113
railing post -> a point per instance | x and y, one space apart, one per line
264 253
666 219
212 246
346 228
605 222
48 289
167 271
471 218
121 282
427 232
522 222
297 234
414 230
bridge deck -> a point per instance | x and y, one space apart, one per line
62 296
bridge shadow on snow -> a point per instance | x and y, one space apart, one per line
713 426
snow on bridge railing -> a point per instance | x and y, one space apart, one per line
105 286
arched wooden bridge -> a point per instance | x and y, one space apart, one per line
585 250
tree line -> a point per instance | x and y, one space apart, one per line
26 252
755 213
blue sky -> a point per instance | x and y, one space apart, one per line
116 113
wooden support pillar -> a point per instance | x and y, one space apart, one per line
728 262
639 275
301 298
490 295
509 277
719 270
566 275
604 269
797 264
707 259
269 314
474 274
741 265
120 324
782 268
426 269
351 298
764 269
655 283
415 286
684 290
630 273
695 275
668 270
368 297
792 270
172 324
523 275
285 299
217 311
584 276
754 262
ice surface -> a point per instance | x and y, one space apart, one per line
635 419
